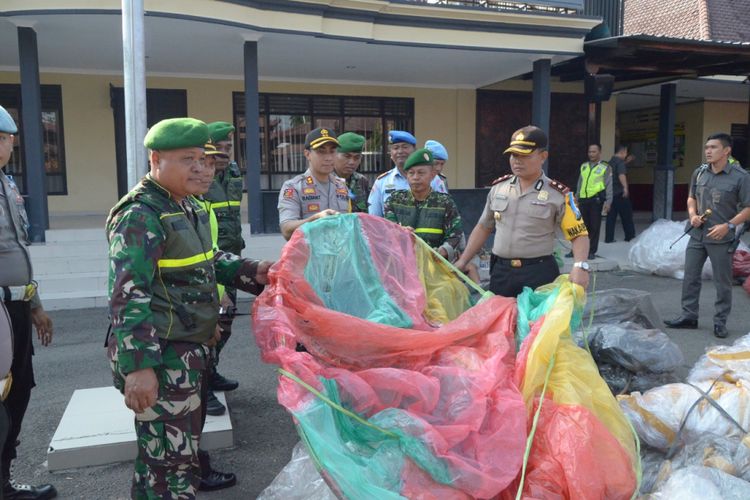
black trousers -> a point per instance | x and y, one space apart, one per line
508 281
622 207
591 211
23 376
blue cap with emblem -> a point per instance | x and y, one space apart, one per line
396 136
438 150
7 125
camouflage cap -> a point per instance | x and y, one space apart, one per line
176 133
220 131
419 157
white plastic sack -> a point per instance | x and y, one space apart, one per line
731 363
657 414
298 480
702 483
650 253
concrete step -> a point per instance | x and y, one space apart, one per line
71 282
69 265
97 429
74 299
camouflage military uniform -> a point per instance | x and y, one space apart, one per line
224 198
359 191
436 219
163 308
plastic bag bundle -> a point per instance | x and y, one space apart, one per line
635 349
407 387
299 471
619 305
582 446
741 262
702 483
730 363
651 254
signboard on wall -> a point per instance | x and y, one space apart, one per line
640 132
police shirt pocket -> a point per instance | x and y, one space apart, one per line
499 204
540 211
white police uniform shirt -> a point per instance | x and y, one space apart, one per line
391 182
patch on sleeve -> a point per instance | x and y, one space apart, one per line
289 193
572 223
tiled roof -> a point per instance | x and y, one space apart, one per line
720 20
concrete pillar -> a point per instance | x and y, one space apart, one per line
664 170
32 136
541 98
252 140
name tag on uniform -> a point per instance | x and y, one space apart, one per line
501 197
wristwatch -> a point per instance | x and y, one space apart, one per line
732 227
583 265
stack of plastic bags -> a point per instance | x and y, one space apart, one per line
698 429
632 353
407 389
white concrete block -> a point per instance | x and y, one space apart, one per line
97 428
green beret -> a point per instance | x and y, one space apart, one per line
220 131
350 142
419 157
177 133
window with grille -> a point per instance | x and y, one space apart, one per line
285 119
53 142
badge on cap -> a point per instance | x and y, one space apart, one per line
324 132
520 137
542 196
498 216
426 157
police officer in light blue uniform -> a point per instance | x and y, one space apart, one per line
440 155
401 145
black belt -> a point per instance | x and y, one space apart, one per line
522 262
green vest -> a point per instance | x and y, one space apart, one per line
184 300
592 179
427 221
225 196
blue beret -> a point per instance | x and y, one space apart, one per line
438 150
395 136
7 125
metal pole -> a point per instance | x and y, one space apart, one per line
134 72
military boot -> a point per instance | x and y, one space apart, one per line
213 405
13 490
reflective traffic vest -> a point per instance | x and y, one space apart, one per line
184 300
592 179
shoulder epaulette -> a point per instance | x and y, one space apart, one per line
501 179
383 174
559 186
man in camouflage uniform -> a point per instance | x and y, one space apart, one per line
348 159
224 198
164 305
433 216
